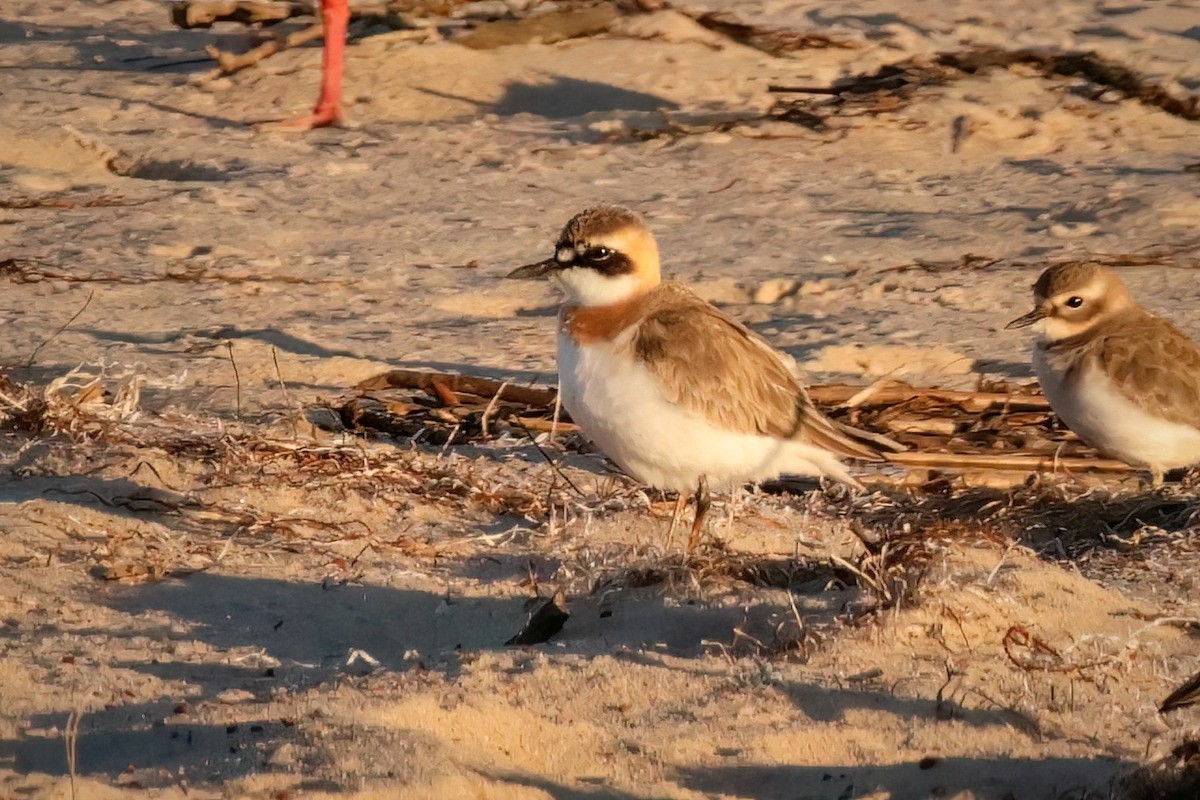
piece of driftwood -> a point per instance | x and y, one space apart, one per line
548 28
205 13
980 433
229 63
1020 462
462 384
193 14
881 394
540 425
893 392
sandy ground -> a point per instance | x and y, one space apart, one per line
326 618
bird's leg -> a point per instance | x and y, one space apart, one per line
1156 478
680 502
702 503
335 19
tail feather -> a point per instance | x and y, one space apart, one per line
817 460
847 441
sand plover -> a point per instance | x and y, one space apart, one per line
679 395
1125 381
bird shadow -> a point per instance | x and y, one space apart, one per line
562 98
306 634
980 777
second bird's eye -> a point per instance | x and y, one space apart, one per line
1075 302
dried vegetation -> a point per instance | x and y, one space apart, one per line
901 525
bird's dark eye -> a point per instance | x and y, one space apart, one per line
600 254
1074 302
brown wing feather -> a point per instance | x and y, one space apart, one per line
1155 365
720 369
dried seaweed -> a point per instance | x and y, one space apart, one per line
905 525
894 86
24 270
61 202
93 405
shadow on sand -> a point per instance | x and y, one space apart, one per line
308 634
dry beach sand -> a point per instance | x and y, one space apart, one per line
205 594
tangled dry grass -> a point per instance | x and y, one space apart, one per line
900 525
1175 776
903 534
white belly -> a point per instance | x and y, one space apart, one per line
619 405
1105 419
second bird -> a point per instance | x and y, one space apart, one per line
679 395
1127 382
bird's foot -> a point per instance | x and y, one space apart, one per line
319 118
703 549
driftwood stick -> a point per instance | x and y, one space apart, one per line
546 425
229 63
461 384
827 395
457 393
836 394
190 14
1005 463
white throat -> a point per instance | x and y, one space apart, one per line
1053 329
587 287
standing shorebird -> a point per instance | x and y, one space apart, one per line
1125 381
679 395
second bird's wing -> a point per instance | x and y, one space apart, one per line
1156 366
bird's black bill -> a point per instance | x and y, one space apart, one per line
1027 320
530 271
